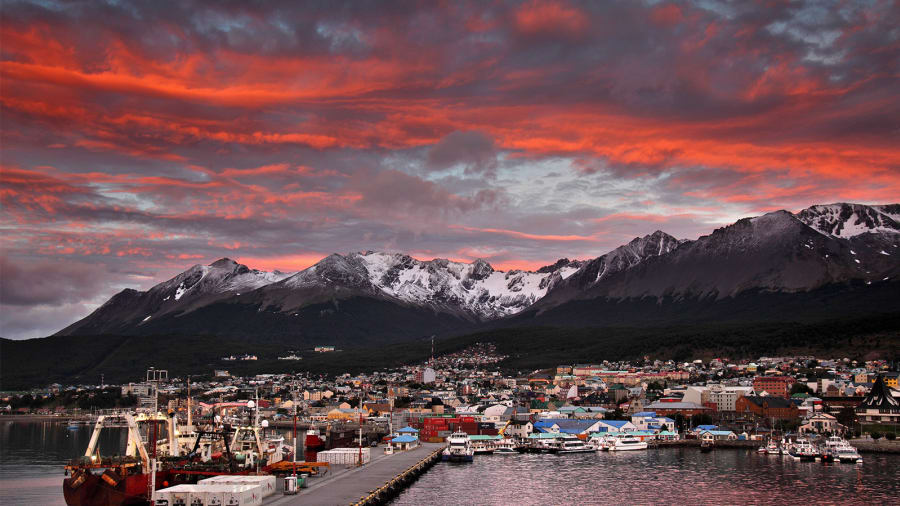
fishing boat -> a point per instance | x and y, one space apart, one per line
458 449
121 480
772 448
706 446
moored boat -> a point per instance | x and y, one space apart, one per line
458 449
626 443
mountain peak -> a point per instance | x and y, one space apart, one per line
223 263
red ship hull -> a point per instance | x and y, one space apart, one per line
93 490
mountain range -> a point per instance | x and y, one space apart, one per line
827 260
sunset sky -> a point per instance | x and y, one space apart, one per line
139 138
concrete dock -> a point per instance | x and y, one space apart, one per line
349 485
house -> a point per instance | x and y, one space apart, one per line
518 429
614 426
404 442
567 426
647 420
717 435
822 423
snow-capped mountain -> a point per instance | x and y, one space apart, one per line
374 294
196 287
850 220
474 291
776 253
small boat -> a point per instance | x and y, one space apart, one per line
772 448
458 449
706 446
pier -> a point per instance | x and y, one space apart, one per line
374 483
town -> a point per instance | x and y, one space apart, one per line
468 391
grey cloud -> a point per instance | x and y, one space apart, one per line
474 151
49 282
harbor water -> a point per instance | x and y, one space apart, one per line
32 456
656 476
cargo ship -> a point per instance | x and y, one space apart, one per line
158 455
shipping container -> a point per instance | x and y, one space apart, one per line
210 495
344 456
265 482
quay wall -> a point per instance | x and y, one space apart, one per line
392 488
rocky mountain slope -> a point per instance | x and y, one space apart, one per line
763 261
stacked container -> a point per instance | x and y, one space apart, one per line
210 495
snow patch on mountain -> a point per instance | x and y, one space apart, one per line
475 287
850 220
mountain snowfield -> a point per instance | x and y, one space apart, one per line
850 220
779 251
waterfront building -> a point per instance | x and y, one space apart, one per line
717 435
648 420
822 423
879 406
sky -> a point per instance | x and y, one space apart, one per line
140 138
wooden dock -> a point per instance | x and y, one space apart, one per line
384 476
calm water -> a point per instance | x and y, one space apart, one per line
32 455
665 476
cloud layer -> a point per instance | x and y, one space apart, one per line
141 137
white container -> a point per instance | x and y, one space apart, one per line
290 485
344 456
266 483
179 495
242 495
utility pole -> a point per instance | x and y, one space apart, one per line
359 411
294 464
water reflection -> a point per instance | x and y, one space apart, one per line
674 475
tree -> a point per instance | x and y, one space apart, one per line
875 435
615 414
846 417
801 388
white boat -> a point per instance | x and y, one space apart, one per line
625 443
505 446
772 448
600 443
802 449
842 450
571 444
458 449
